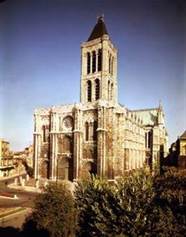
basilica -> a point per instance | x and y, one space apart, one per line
97 135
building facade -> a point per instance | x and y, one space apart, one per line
177 153
97 135
6 158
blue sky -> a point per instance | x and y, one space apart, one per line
40 57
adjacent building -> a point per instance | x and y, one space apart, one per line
182 151
6 158
177 153
98 134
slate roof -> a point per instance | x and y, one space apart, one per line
149 116
99 30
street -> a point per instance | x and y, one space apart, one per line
22 204
24 198
16 219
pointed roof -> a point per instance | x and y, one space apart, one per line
99 29
183 136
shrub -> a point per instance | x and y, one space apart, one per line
128 208
54 211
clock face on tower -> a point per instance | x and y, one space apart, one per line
68 123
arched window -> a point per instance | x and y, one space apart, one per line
91 131
97 89
86 131
99 59
60 124
93 61
60 145
112 66
67 145
89 91
148 139
88 63
111 91
110 61
108 90
95 126
44 133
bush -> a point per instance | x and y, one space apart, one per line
128 208
138 204
171 192
54 211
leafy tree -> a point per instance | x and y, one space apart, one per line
54 211
171 192
92 204
127 208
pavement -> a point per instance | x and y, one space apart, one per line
13 211
10 178
25 188
15 218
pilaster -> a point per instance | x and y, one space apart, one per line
101 145
77 153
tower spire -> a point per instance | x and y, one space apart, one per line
99 29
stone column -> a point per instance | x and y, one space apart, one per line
35 157
53 147
77 152
101 145
37 144
36 154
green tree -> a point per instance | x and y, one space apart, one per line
127 208
171 192
55 212
93 208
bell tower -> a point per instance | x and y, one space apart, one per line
99 67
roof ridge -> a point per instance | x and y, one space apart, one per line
138 110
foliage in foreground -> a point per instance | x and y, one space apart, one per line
54 211
131 207
138 204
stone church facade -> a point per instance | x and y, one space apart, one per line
97 135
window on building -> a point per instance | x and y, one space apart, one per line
89 91
112 66
60 124
88 63
91 131
60 145
93 61
86 131
108 90
47 132
95 126
148 139
97 89
146 136
111 91
67 144
44 133
110 59
99 59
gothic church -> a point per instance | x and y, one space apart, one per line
97 135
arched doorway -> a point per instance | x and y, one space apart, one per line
44 169
64 168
